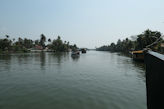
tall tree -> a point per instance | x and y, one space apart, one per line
49 40
7 36
42 40
36 42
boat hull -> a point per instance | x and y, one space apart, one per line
138 55
75 53
83 51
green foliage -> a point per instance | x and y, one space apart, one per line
49 40
142 40
42 40
22 45
1 51
28 43
74 47
59 46
36 42
5 44
147 38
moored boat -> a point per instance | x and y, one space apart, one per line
83 51
138 55
75 53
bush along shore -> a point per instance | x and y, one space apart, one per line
138 42
8 45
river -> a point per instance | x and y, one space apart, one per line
95 80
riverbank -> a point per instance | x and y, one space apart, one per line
148 39
28 51
10 52
20 45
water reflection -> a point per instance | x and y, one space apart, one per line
75 57
22 58
141 69
59 57
140 65
136 65
42 59
5 59
94 80
124 54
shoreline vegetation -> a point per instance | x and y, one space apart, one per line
138 42
20 45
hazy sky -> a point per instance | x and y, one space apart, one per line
88 23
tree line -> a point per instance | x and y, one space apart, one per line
24 45
138 42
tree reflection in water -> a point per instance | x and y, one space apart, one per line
75 57
127 60
42 59
6 59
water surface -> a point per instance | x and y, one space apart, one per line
95 80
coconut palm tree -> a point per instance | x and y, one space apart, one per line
42 40
49 40
7 36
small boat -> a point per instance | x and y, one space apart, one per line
75 53
83 51
138 55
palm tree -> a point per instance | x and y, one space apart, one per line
49 40
43 37
58 38
13 39
20 40
36 42
42 40
7 36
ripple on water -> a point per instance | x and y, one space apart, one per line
96 80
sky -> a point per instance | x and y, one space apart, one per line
87 23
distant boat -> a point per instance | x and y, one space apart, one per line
138 55
75 53
83 50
